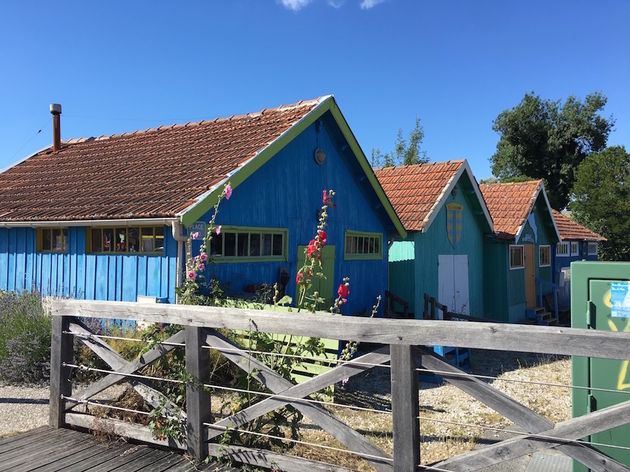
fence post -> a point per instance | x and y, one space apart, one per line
197 398
61 351
404 378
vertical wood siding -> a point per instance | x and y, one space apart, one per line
80 275
286 192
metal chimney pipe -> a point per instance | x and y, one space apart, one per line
55 111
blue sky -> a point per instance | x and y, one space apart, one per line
121 66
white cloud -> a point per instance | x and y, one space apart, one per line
336 3
295 5
367 4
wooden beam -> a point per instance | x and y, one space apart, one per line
516 412
496 336
197 398
61 351
278 384
270 460
121 428
406 426
571 430
118 363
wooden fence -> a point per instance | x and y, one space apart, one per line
401 348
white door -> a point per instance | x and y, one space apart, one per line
453 283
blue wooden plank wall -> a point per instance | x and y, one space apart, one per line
286 192
78 274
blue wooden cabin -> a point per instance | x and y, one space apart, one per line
577 243
108 218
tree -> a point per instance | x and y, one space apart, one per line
601 200
403 154
546 139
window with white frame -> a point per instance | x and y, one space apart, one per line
562 249
575 248
516 257
592 249
544 256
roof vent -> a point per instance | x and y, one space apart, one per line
55 110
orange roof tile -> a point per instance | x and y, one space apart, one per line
510 204
154 173
569 229
414 190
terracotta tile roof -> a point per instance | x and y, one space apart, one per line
510 204
569 229
415 190
154 173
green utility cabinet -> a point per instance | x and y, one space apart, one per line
600 299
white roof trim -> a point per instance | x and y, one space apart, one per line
221 183
541 188
450 185
68 223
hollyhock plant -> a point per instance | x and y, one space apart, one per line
218 230
228 191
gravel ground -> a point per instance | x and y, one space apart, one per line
22 408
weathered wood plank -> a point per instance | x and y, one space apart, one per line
121 428
10 459
197 398
277 384
406 426
512 448
516 412
267 459
62 449
61 351
80 459
121 461
21 439
17 436
497 336
118 363
166 463
111 452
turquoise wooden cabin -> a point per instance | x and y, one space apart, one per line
109 218
577 243
446 219
518 268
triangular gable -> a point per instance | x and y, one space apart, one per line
548 214
327 104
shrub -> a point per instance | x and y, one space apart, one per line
24 338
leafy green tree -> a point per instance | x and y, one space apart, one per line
601 200
405 152
547 139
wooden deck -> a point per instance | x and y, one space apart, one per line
47 450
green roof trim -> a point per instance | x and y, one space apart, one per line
328 104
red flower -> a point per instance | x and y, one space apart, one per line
312 248
324 197
322 237
343 291
299 279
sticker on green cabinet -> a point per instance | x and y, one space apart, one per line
620 299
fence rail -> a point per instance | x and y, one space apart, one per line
402 352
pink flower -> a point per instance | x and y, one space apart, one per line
344 381
299 279
203 256
228 191
324 197
218 229
201 267
312 248
195 235
322 237
191 274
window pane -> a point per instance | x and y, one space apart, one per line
243 245
46 240
254 245
159 239
65 239
349 244
97 239
277 245
230 244
134 239
108 240
377 249
57 239
359 245
147 239
371 247
121 239
216 245
266 244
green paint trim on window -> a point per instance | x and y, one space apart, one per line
52 240
196 211
95 236
517 248
251 232
362 245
